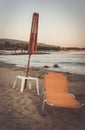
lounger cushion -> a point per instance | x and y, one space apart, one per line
62 100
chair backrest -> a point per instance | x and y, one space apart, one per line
55 82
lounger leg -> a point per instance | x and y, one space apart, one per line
43 103
78 111
43 108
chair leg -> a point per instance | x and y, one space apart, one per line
29 83
37 87
14 83
22 85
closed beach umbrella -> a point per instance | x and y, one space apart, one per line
32 45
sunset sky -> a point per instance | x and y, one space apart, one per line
61 22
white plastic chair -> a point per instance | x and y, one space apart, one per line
23 78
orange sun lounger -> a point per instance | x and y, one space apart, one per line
56 92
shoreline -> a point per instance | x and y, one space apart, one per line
76 65
22 111
3 64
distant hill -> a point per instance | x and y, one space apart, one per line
11 41
11 44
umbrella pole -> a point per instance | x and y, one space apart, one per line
27 72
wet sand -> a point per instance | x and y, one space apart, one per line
22 111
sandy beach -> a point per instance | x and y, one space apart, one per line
22 111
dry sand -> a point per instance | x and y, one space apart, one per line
22 111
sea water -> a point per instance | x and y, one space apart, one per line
68 61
